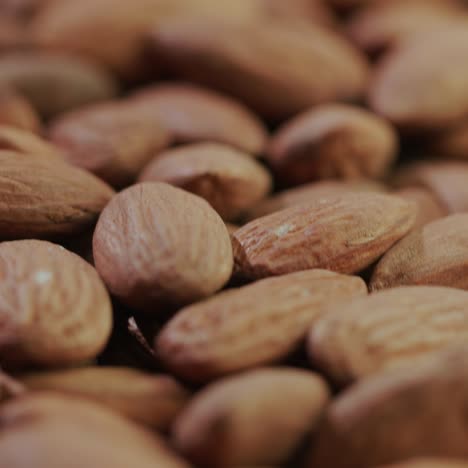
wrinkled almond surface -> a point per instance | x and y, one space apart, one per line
54 308
230 180
233 422
395 327
254 325
343 233
157 245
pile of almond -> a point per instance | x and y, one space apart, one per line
233 234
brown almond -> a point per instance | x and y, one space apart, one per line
45 423
311 192
383 25
194 114
445 180
43 197
423 84
298 66
257 324
233 422
436 254
429 207
152 400
109 140
390 328
55 309
16 111
412 412
156 245
333 141
55 83
344 233
430 463
228 179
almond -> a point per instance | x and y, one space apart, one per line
152 400
254 325
55 309
430 463
446 181
436 254
55 83
156 245
333 141
45 423
423 85
344 233
232 422
42 197
391 328
311 192
277 69
412 412
16 111
194 114
109 140
229 180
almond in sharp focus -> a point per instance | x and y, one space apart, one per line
344 233
192 114
333 141
152 400
109 140
231 181
233 421
55 309
16 111
277 69
47 422
395 327
413 412
254 325
156 245
42 197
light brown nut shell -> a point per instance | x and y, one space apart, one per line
390 328
152 400
344 233
156 245
54 309
251 326
333 141
233 421
229 180
16 111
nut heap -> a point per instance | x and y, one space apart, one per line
233 234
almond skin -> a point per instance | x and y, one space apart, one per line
423 85
391 328
445 180
310 192
55 83
42 197
233 421
156 245
56 310
435 254
251 326
47 422
422 407
344 233
16 111
109 140
152 400
229 180
333 141
430 463
299 66
194 114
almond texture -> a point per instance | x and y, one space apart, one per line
344 233
156 245
254 325
55 309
